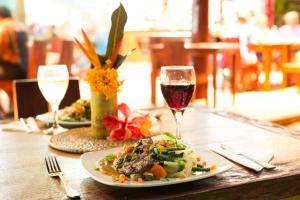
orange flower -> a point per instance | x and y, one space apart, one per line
122 129
104 80
146 125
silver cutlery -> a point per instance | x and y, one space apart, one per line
260 162
26 125
29 124
54 171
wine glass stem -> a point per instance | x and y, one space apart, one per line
178 118
54 108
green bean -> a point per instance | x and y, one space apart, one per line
200 169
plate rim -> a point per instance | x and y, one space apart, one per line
40 117
156 183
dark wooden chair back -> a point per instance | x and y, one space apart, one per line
66 54
174 53
165 53
29 101
55 44
37 56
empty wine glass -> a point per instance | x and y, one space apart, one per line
177 86
53 81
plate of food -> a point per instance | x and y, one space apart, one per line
76 115
151 162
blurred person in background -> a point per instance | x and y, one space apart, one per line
13 51
290 31
291 28
13 47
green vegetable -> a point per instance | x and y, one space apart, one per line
181 164
170 135
180 145
171 167
161 157
164 180
148 176
201 166
134 156
96 167
156 150
135 177
194 169
175 149
109 158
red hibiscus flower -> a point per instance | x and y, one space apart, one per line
122 129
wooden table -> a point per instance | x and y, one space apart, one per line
213 48
23 173
266 50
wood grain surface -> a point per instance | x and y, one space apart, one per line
23 174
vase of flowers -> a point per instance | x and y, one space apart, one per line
103 75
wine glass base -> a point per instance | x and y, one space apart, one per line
54 130
179 141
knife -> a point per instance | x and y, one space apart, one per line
260 162
236 158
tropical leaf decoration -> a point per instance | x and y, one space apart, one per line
118 21
112 58
88 49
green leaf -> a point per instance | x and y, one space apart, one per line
102 59
120 59
118 21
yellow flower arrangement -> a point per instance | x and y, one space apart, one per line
103 76
104 80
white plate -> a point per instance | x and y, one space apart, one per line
48 118
88 161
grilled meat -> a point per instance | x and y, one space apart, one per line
137 162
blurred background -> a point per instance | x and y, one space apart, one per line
266 31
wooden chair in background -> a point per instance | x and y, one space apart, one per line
29 101
166 53
66 53
60 51
39 50
247 74
37 57
288 69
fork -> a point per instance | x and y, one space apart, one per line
54 170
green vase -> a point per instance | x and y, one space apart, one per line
100 108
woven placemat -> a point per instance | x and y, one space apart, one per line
78 140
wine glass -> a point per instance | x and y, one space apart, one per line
53 81
177 85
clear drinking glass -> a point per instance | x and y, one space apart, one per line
53 81
177 86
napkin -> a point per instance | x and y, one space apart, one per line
18 126
240 159
15 126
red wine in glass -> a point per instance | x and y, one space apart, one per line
177 85
178 95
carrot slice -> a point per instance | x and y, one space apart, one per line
213 167
122 178
127 149
140 180
158 172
